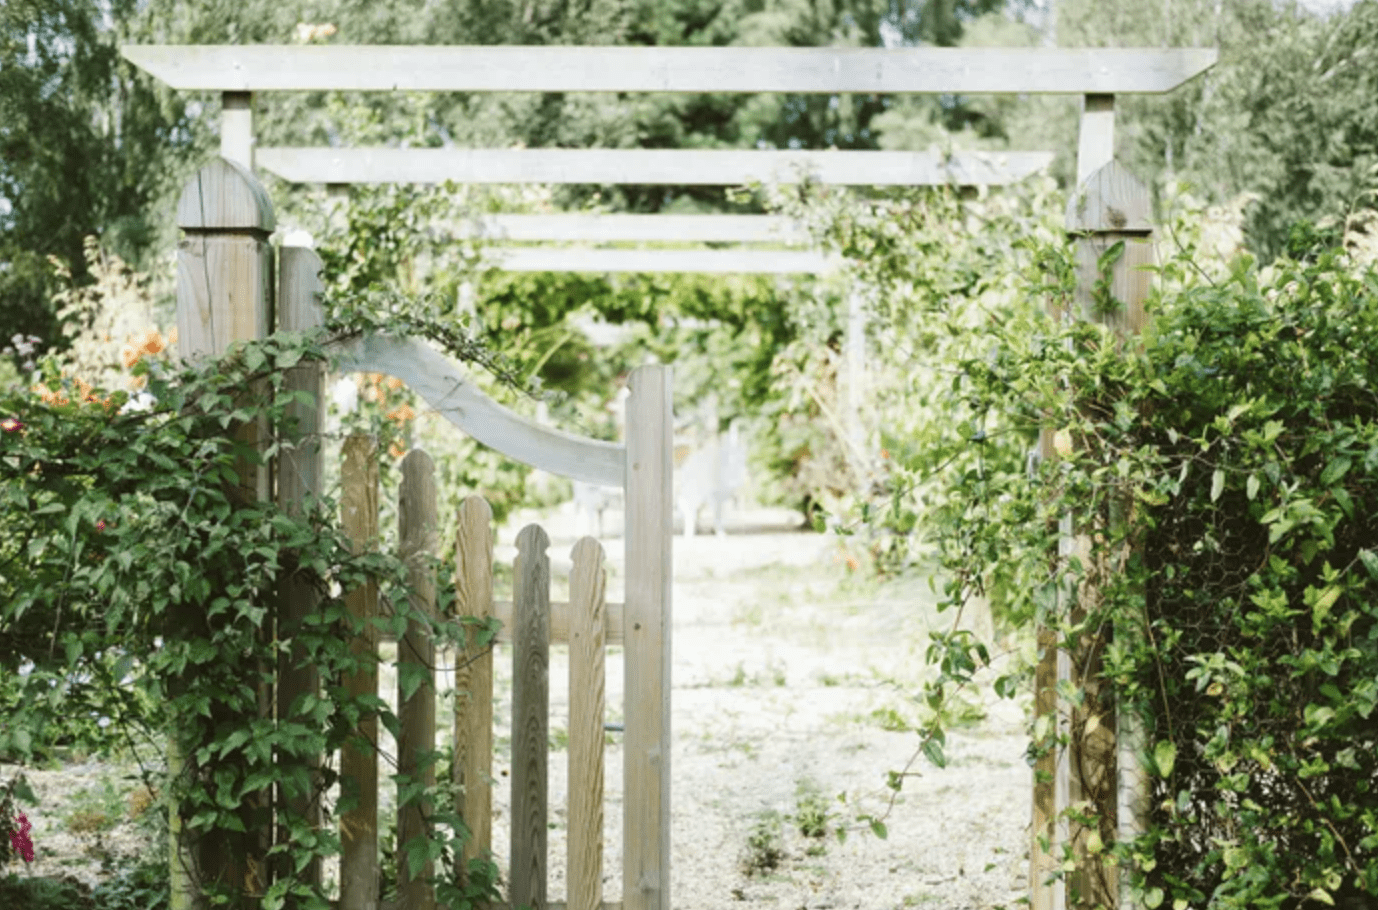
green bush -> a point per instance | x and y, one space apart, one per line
1225 473
126 533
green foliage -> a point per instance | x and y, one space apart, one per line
65 893
131 562
939 271
1226 474
89 148
813 815
143 886
1280 121
765 848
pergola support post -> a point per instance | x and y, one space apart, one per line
237 127
1100 776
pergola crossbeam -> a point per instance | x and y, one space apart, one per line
587 259
675 167
818 70
594 228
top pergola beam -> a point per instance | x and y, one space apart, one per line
822 70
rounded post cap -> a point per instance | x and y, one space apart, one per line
1112 200
225 195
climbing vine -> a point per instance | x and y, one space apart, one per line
1225 475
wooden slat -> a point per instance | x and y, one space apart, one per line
613 613
300 473
608 228
646 749
417 527
673 167
823 70
359 826
585 259
584 866
473 730
441 383
560 611
530 718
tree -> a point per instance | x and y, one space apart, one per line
86 147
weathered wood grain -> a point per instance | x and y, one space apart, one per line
473 730
441 383
646 763
225 293
671 167
418 522
359 826
530 719
584 867
607 228
717 262
822 70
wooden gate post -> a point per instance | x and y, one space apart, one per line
300 473
1110 208
646 768
224 294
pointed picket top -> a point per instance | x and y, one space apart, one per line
225 195
1111 200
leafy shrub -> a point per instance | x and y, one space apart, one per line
117 526
1225 474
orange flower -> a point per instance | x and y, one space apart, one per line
393 383
398 449
153 342
401 414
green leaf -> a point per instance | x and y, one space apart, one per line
1335 470
934 751
1322 895
878 829
1217 484
1153 898
1110 256
1251 487
1324 602
1164 757
1370 561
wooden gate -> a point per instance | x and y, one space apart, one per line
226 291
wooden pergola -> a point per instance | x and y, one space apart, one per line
1098 75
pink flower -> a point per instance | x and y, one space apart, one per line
20 839
100 525
10 424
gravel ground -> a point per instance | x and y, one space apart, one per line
779 657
